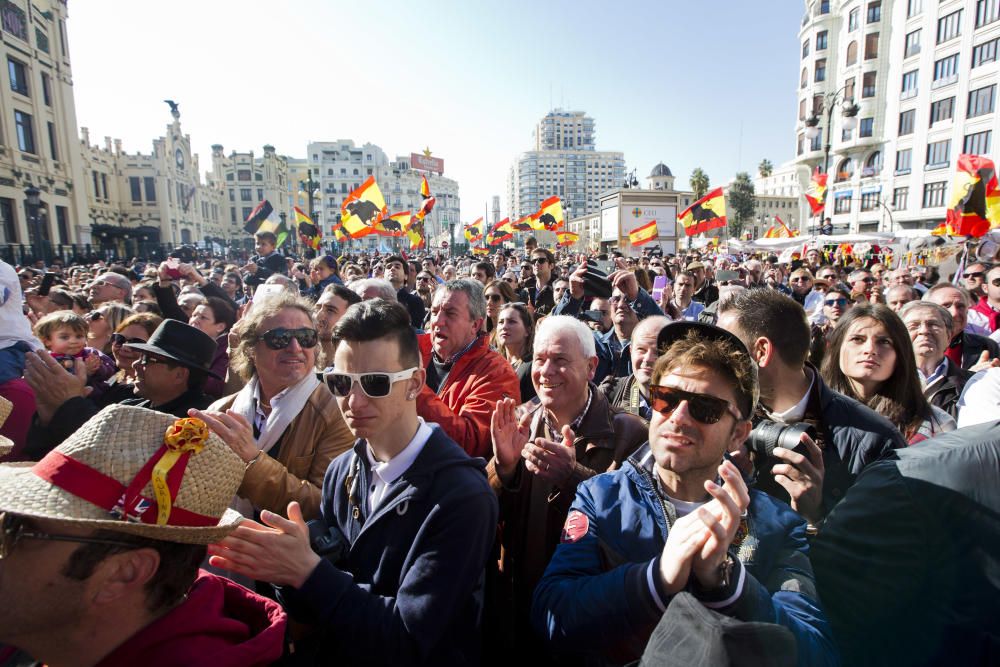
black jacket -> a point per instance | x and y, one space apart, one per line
907 564
414 306
945 392
72 414
266 267
973 346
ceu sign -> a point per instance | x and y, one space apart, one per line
427 163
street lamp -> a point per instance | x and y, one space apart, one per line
630 180
32 198
849 120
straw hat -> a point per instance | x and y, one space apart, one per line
6 444
101 477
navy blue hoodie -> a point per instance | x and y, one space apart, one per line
409 590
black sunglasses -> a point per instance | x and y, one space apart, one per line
280 338
120 339
978 275
94 315
842 301
13 529
539 260
702 407
374 385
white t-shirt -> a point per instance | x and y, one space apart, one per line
14 326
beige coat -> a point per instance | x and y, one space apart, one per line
316 436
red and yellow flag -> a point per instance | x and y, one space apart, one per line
550 214
644 234
567 238
817 192
501 232
362 209
707 213
425 189
480 251
974 208
779 230
308 231
474 231
415 232
394 225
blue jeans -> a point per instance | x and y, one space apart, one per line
12 361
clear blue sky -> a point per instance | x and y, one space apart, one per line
666 81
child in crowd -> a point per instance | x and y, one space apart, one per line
64 334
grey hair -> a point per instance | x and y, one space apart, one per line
383 288
557 323
966 297
474 292
940 311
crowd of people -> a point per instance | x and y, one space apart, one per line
542 456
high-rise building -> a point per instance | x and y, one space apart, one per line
923 75
564 163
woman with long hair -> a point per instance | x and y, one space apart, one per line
135 328
104 321
513 338
870 358
497 293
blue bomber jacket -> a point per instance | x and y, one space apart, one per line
600 597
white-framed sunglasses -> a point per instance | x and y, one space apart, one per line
373 385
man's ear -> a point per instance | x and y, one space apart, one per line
741 431
762 351
592 370
123 575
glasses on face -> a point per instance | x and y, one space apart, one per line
94 315
976 275
867 279
280 338
539 260
800 279
829 277
995 282
702 407
727 283
373 385
120 339
103 283
932 325
13 530
841 301
150 360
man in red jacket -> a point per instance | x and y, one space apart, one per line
465 378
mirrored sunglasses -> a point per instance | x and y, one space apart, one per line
280 338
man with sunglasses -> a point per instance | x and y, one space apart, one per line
110 286
392 573
677 519
989 303
974 279
540 294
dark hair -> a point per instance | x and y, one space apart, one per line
899 398
178 568
222 311
348 295
486 267
395 259
765 313
549 257
377 318
268 237
148 321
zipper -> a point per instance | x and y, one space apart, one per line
662 502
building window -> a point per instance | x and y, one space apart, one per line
243 175
942 110
977 143
46 89
985 52
867 84
820 40
846 134
852 53
135 187
802 108
18 76
62 224
260 194
53 148
903 158
914 7
232 215
909 87
817 105
25 132
849 88
866 127
870 200
246 194
981 101
871 46
852 20
949 27
912 46
906 122
800 145
816 143
987 11
845 170
7 218
247 210
934 194
873 165
820 70
149 184
232 194
104 185
874 12
938 153
805 48
945 71
899 197
842 203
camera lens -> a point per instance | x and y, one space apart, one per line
768 434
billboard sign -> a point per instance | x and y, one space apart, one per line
427 163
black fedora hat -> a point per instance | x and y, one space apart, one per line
181 343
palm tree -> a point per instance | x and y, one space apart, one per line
765 168
699 182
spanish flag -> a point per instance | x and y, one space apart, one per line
425 189
567 238
362 209
779 230
550 214
474 231
415 232
501 232
975 201
338 233
644 234
308 232
707 213
480 251
394 225
817 192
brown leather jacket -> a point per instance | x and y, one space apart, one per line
533 511
315 437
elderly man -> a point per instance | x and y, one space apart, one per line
542 450
631 393
374 288
967 348
898 296
110 286
989 303
465 378
393 572
803 290
101 566
930 328
677 520
861 282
